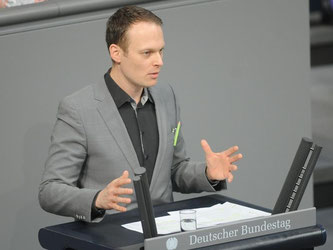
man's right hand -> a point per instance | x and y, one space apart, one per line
110 196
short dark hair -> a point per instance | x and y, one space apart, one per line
122 19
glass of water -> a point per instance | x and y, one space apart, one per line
188 220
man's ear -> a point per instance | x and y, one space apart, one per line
115 53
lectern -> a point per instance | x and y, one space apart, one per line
109 234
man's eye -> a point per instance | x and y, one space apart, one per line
146 53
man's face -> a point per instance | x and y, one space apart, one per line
141 63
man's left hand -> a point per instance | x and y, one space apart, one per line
220 165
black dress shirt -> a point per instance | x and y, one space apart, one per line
140 122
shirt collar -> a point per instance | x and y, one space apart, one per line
119 96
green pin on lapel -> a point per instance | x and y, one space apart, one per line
175 139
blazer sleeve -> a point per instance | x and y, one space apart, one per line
60 191
189 176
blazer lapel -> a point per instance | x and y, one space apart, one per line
110 114
162 132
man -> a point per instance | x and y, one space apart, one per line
104 131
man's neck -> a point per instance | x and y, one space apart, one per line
133 91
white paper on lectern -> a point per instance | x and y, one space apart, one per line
206 217
165 224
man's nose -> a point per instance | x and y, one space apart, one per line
158 60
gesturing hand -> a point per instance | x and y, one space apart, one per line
109 197
220 165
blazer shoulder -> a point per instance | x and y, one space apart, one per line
79 99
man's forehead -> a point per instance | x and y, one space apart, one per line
145 34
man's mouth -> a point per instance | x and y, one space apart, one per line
154 74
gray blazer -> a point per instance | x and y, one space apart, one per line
90 147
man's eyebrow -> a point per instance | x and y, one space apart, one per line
152 49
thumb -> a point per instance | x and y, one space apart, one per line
205 146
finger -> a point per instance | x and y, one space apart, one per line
231 150
233 168
119 208
125 174
230 177
121 181
121 191
206 148
235 158
118 199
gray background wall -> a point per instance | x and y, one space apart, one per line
240 68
